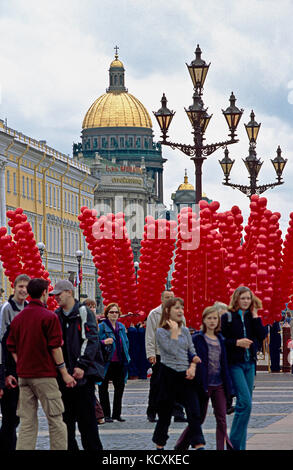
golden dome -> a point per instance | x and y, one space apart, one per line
117 109
116 63
186 185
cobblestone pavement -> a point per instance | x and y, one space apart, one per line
272 401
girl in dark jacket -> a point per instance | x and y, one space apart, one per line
243 331
212 376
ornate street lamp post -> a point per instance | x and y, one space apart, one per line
199 119
79 255
41 246
253 164
136 264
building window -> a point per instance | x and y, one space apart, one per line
50 195
58 197
39 191
32 188
46 194
65 242
69 243
40 231
121 142
76 205
130 140
8 181
54 197
14 183
65 201
23 186
72 204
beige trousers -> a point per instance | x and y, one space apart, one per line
46 391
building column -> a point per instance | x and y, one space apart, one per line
3 163
160 186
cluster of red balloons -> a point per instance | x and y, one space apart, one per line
125 263
262 247
110 246
98 235
21 255
235 263
9 256
287 270
155 260
188 240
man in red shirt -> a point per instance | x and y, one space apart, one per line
35 341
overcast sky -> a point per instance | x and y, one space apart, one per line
55 56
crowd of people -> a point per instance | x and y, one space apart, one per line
61 359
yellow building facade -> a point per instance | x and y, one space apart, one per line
51 188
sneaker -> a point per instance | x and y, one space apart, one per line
108 420
101 421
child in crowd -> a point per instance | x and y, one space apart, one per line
212 375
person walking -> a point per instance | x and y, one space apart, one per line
35 340
212 375
153 356
92 305
9 389
84 360
178 365
243 330
112 332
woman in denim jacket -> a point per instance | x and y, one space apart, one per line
112 332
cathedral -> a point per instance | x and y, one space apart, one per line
117 144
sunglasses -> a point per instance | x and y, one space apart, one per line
113 311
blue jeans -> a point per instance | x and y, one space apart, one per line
243 380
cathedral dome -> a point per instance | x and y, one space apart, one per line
117 107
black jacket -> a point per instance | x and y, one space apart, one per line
233 330
202 351
82 346
8 365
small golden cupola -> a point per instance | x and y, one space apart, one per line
186 185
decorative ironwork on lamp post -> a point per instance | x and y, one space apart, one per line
253 164
199 119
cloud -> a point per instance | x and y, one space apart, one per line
55 57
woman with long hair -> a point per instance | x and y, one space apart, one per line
243 330
178 364
111 331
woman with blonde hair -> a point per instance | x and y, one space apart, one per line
177 371
243 330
